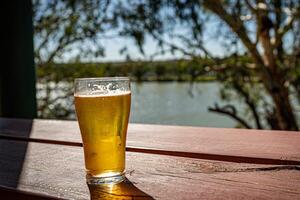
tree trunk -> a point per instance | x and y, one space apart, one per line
284 109
271 75
274 80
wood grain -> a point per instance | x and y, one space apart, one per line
238 145
58 170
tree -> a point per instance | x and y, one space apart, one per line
60 27
267 29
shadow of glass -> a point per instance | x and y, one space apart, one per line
123 190
12 153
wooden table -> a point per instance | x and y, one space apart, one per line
43 159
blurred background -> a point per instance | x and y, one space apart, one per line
218 63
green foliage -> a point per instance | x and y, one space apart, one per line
176 70
60 26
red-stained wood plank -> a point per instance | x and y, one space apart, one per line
238 145
238 159
58 171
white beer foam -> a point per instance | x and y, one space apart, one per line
102 94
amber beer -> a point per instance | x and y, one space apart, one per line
103 121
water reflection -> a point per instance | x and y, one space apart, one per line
123 190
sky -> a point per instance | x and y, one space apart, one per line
112 47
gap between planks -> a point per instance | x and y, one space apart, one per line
204 156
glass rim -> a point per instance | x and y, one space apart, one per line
112 78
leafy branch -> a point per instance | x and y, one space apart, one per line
231 111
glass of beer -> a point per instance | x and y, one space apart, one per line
102 109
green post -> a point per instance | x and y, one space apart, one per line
17 74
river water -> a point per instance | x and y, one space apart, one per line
177 103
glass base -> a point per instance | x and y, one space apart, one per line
108 178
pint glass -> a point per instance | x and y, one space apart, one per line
102 108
